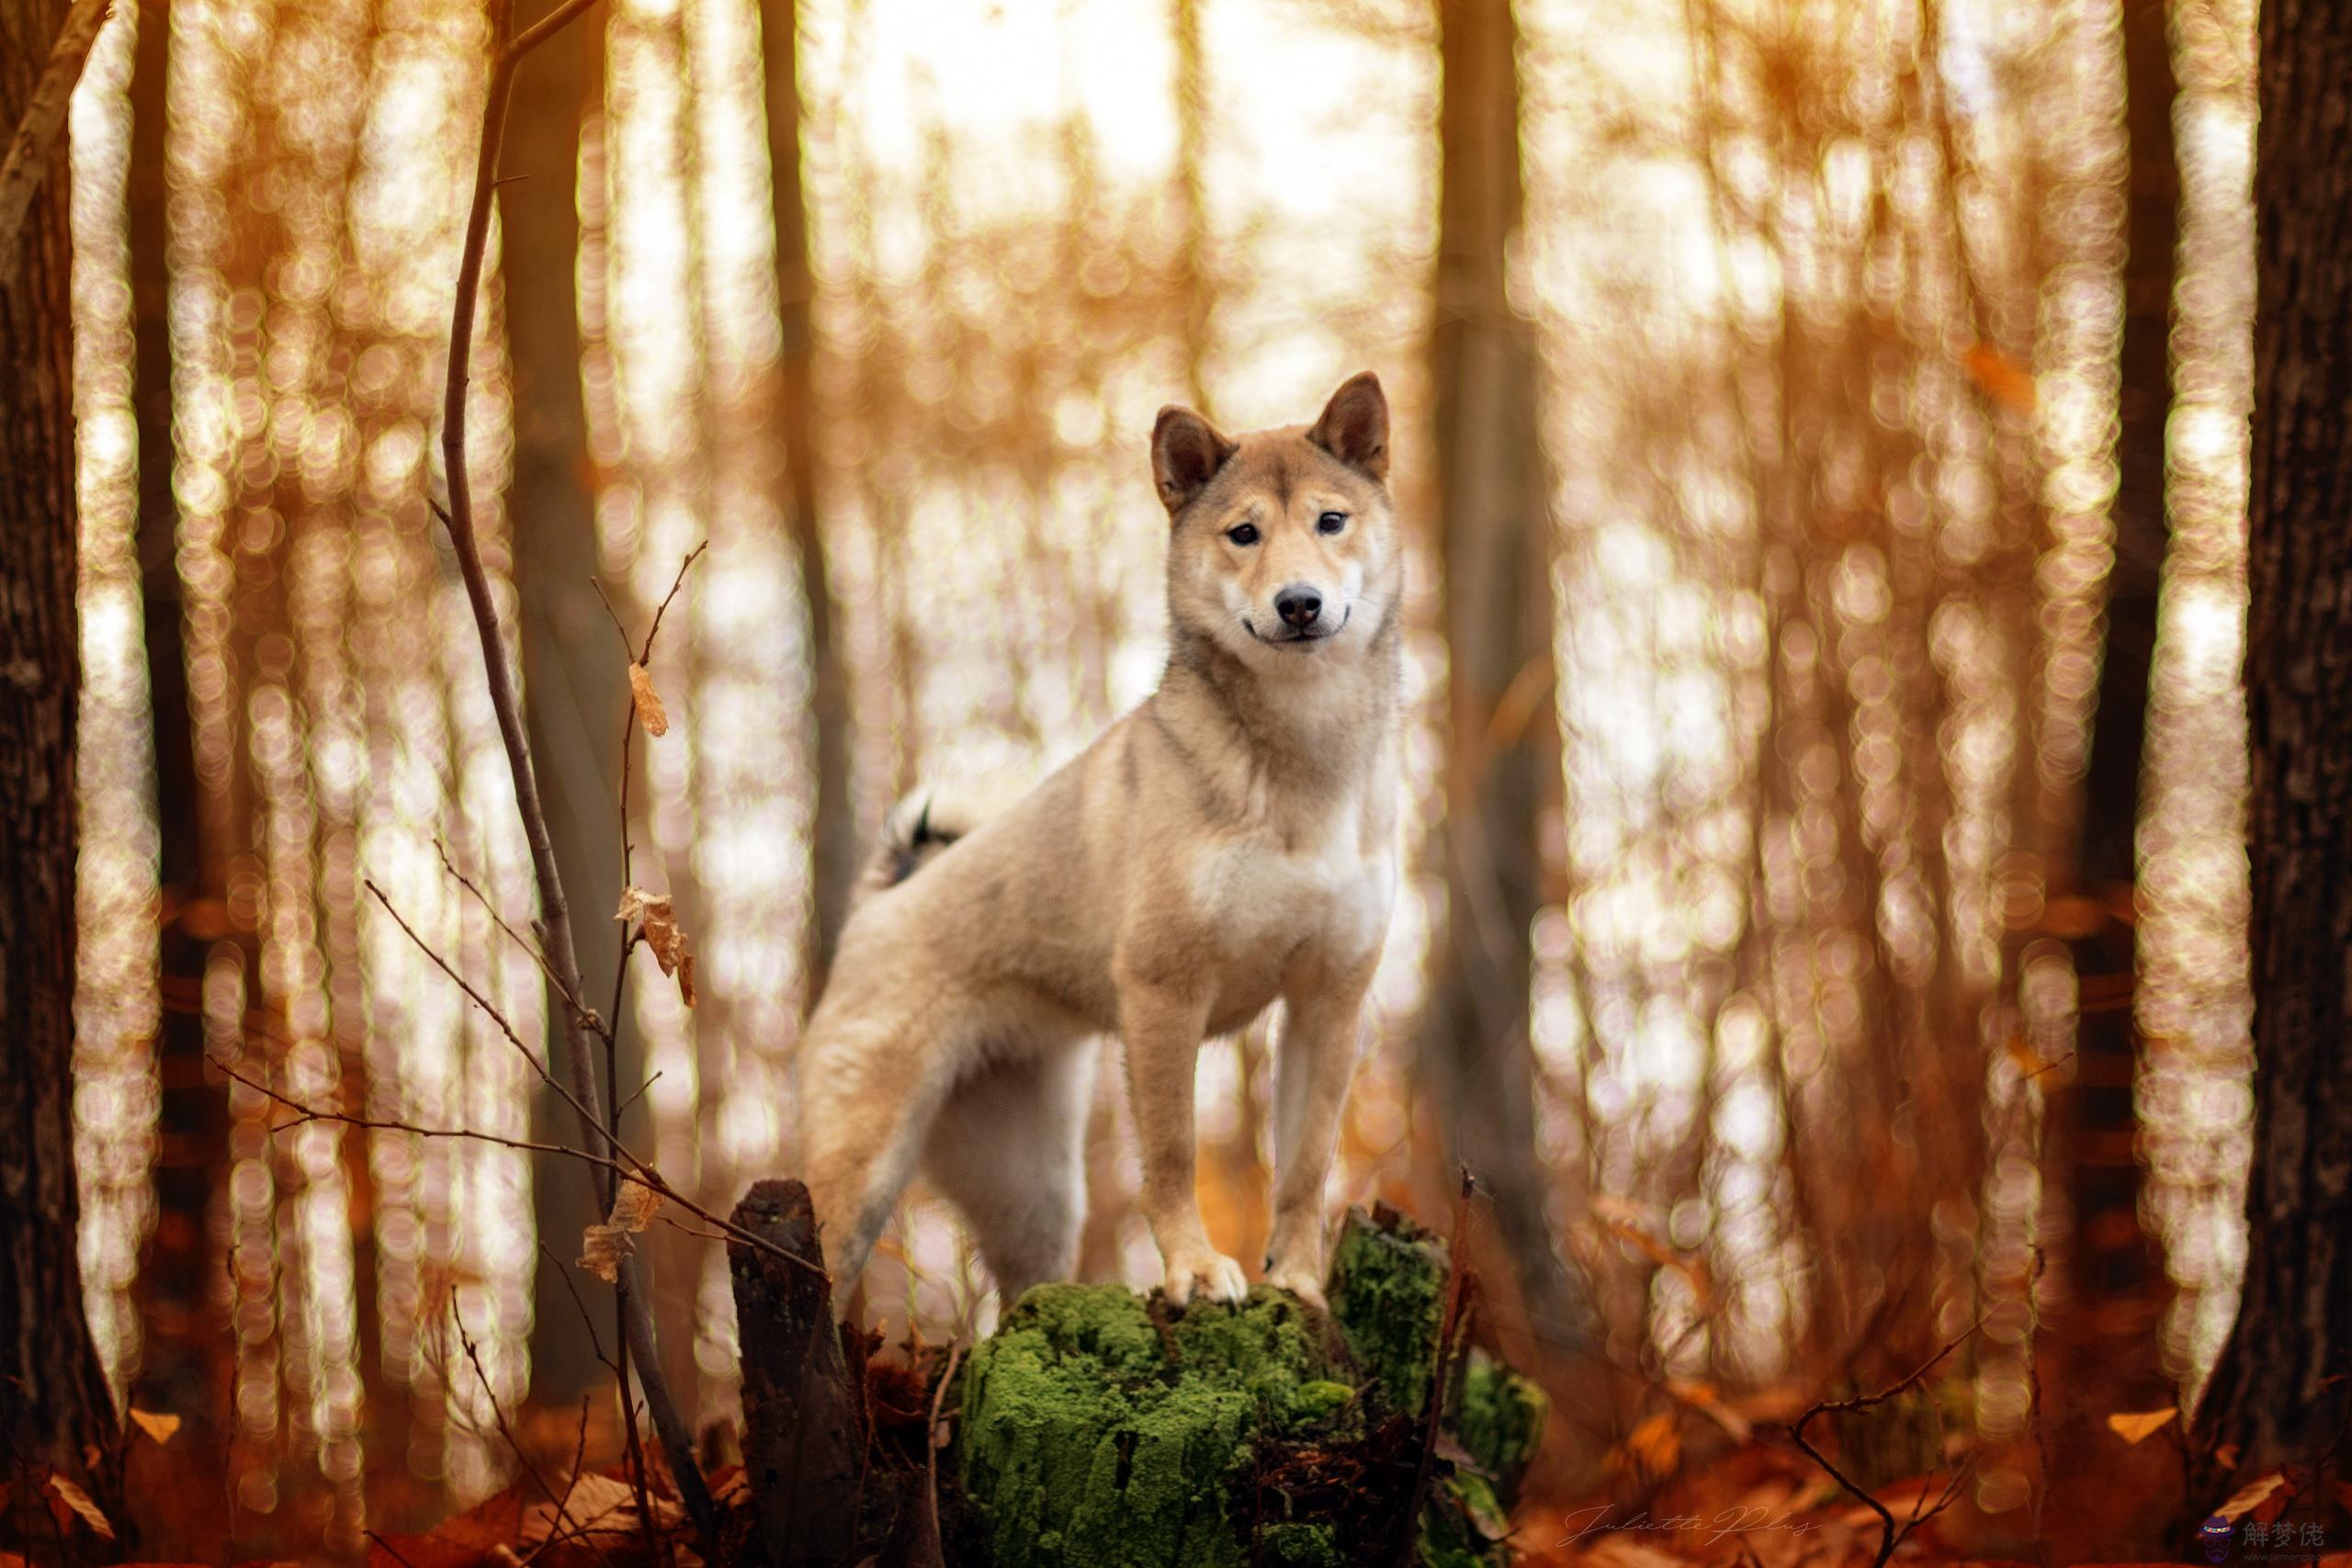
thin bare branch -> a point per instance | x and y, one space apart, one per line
1891 1535
498 1413
587 1014
645 654
622 1163
482 1002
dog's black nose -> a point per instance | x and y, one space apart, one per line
1298 606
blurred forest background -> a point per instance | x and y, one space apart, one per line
1824 431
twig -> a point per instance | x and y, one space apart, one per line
554 914
1889 1537
634 1095
636 1328
34 147
586 1317
1456 1285
929 1548
622 1163
572 1480
482 1002
498 1413
389 1549
587 1014
645 654
606 600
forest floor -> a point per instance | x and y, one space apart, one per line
1760 1502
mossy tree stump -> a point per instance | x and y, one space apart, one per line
1103 1430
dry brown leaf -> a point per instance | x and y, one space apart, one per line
659 924
1651 1451
600 1507
158 1427
603 1245
2134 1427
74 1497
647 700
2249 1498
601 1250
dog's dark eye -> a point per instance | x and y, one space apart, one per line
1331 522
1243 533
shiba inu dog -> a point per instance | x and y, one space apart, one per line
1229 843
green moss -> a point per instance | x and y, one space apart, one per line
1461 1527
1318 1399
1087 1438
1499 1419
1388 1292
1302 1546
1096 1430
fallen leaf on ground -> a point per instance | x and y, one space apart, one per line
2134 1427
156 1425
1651 1451
2247 1498
74 1497
647 700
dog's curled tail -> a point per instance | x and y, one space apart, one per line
914 834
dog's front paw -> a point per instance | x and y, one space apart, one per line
1205 1274
1303 1283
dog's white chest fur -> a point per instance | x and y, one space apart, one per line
1262 896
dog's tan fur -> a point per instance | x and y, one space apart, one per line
1230 842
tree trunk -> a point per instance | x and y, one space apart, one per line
2282 1391
1497 549
833 831
56 1402
574 672
2111 1267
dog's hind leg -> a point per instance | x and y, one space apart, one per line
1009 1150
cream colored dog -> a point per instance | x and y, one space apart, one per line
1230 842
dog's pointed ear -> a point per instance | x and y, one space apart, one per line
1354 425
1186 452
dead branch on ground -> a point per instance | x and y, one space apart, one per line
1891 1535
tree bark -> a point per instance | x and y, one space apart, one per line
574 672
2112 1269
804 1443
832 842
2282 1391
56 1402
1497 549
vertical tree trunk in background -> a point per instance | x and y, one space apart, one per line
177 1273
54 1398
2102 1341
2282 1391
2111 809
832 843
2112 1270
1497 546
574 672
